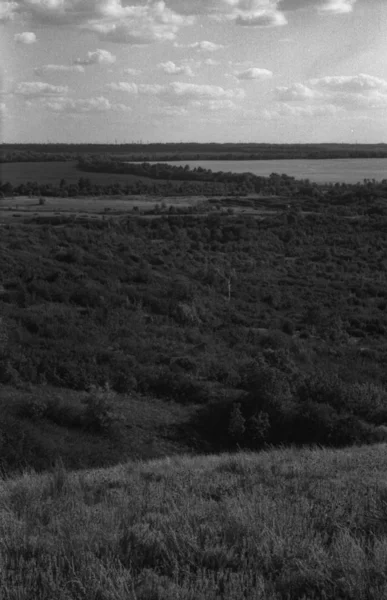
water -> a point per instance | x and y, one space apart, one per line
347 170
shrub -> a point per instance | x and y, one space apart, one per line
259 428
236 427
98 416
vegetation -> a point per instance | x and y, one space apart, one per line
280 525
106 175
189 151
188 331
265 331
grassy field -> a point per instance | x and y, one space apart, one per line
278 525
43 172
116 206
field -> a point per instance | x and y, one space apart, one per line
280 525
52 173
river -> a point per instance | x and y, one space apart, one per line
348 170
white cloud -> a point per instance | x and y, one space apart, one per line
173 69
211 62
47 69
192 90
123 86
27 37
2 107
139 24
151 89
99 57
253 13
345 92
203 46
170 111
131 71
7 11
295 92
39 88
83 105
287 110
262 18
337 7
350 83
179 93
215 105
254 73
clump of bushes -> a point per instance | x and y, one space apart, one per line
276 408
95 415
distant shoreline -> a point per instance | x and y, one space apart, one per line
192 151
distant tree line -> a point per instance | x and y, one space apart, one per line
189 151
170 180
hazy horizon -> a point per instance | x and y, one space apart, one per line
202 71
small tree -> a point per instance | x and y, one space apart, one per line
259 425
236 427
42 201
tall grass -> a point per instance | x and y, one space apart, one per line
283 524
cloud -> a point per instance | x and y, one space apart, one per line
180 93
192 91
264 18
286 110
211 62
47 69
83 105
337 7
350 83
172 69
39 88
99 57
3 107
203 46
27 37
170 111
215 105
7 11
295 92
353 91
131 71
139 24
254 73
249 13
346 92
135 89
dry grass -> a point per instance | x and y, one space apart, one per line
282 524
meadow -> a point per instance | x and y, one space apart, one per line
284 524
53 172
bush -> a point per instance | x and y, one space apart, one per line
98 416
236 427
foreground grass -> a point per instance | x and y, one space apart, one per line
282 524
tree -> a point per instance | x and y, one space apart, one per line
236 427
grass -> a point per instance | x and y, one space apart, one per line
147 428
53 172
283 524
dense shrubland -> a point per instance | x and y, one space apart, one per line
273 329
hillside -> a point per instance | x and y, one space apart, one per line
247 330
278 525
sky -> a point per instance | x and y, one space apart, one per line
121 71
